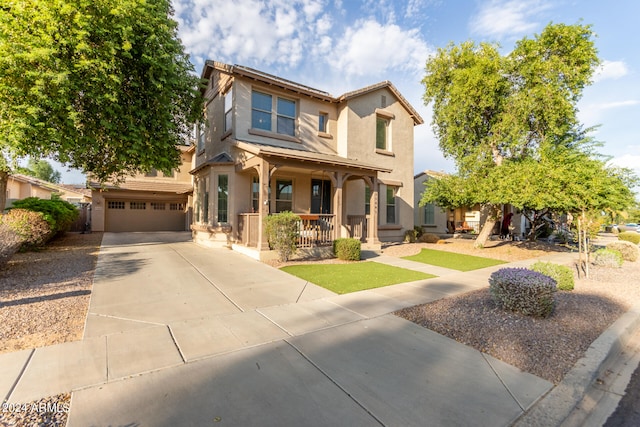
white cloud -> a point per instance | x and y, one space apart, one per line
592 114
611 70
250 32
370 48
499 18
631 161
618 104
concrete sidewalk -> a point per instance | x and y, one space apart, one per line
181 335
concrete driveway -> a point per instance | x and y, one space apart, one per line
182 335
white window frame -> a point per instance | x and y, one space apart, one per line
394 197
276 114
228 110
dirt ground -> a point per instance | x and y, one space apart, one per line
44 295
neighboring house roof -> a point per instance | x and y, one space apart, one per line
306 90
149 186
305 156
431 173
69 188
34 181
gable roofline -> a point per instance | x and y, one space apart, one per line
431 173
26 179
266 78
289 85
381 85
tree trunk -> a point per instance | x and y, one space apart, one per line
4 179
492 217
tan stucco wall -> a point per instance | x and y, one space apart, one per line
18 190
440 215
181 175
351 129
358 117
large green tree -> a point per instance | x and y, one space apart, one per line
100 85
41 169
489 108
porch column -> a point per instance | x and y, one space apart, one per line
338 206
372 227
263 208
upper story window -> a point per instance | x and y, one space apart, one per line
382 133
286 117
269 113
228 108
323 118
261 110
200 136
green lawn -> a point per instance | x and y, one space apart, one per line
452 260
352 277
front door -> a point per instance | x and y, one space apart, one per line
320 196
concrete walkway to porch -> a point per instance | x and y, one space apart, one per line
182 335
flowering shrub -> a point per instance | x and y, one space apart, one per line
607 258
9 243
30 226
628 250
60 214
524 291
560 273
630 236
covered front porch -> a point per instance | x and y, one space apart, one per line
334 198
315 230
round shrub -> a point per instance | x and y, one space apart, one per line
630 236
60 214
523 291
9 243
429 238
628 250
560 273
30 226
282 230
607 258
347 249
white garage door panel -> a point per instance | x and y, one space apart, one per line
144 216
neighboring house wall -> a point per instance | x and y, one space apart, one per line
333 169
21 186
431 217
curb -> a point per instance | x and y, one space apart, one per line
554 408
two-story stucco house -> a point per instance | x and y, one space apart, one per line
344 164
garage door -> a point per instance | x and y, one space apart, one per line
145 215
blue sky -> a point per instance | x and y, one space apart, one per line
342 45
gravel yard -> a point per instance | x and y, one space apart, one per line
44 297
548 347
